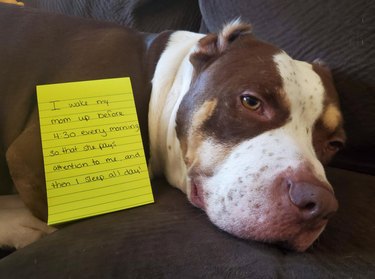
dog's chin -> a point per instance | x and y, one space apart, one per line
297 240
302 242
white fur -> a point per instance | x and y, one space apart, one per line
170 83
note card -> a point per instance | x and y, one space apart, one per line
94 160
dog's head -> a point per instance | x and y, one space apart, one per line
255 128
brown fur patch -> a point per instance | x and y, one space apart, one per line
329 126
245 66
195 138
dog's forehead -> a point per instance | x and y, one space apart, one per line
302 86
287 87
248 66
311 92
294 90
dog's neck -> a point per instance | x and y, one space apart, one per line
171 81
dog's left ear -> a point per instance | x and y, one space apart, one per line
322 65
212 45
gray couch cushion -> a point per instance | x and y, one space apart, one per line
144 15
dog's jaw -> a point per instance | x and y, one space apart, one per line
253 202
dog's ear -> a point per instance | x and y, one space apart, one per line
212 45
322 65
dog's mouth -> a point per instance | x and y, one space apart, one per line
196 195
278 221
271 214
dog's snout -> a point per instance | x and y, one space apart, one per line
315 202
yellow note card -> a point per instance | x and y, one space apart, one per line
94 160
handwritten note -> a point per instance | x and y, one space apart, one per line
93 154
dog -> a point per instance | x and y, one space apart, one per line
233 122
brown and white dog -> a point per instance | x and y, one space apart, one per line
243 130
235 123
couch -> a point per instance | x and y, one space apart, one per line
171 238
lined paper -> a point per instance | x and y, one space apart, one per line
94 160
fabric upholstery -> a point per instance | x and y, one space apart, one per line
144 15
172 239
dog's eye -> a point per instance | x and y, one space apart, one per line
250 102
335 145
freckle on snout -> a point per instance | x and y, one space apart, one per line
230 195
262 169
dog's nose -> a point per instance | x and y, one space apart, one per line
315 202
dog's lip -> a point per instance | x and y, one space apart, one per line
196 194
